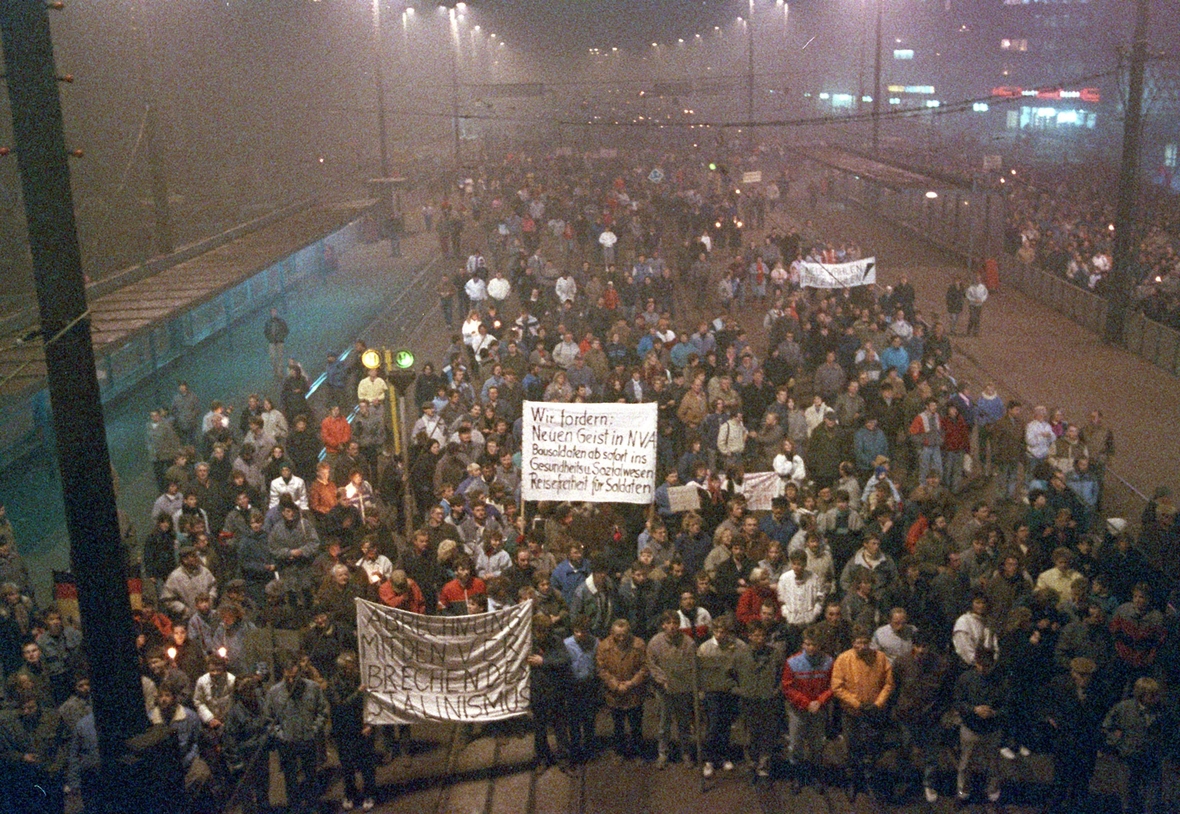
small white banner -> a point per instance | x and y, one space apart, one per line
759 488
839 275
684 498
602 453
444 668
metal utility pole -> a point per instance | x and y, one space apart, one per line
455 102
750 82
1125 220
162 240
877 82
96 556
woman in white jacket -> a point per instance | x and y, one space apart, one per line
789 466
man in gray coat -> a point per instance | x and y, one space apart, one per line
297 712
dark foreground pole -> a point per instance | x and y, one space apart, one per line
1126 219
95 548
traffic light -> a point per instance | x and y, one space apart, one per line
401 369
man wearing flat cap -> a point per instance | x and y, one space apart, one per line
1073 711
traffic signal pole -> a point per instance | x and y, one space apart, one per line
96 556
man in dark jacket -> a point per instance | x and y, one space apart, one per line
826 448
32 756
956 297
354 738
275 331
549 681
1073 710
979 700
921 677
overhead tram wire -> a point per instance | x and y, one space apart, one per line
949 108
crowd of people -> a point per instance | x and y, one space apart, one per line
1064 223
935 559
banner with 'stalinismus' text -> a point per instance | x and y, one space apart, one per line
839 275
444 668
603 453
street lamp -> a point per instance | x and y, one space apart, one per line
455 13
380 82
750 80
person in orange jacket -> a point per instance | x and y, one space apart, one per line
862 681
335 432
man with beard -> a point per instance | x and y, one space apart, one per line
622 667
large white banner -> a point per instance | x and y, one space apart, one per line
444 668
839 275
593 452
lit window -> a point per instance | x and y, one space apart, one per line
1170 155
903 53
1013 45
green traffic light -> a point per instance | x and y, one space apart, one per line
712 167
403 359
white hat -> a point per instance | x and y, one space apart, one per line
1116 525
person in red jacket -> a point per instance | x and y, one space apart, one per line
807 685
956 443
454 595
749 606
399 591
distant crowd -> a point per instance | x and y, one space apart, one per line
1064 222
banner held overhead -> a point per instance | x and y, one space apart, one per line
589 452
839 275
